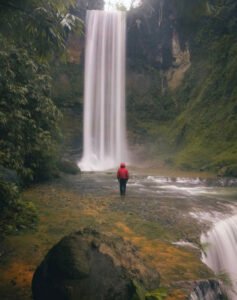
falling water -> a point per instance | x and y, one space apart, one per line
221 252
104 109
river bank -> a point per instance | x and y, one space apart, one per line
162 216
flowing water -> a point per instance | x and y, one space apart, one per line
205 200
181 201
221 252
104 138
163 216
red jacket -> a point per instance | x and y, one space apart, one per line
122 172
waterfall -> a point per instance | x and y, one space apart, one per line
221 252
161 6
104 91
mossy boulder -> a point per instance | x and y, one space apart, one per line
89 265
68 167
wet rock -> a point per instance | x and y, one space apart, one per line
68 167
88 265
207 290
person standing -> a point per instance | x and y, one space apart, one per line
123 177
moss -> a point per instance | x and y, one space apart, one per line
159 294
204 134
142 294
193 127
68 167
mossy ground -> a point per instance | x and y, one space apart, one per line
63 210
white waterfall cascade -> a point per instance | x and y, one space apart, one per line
104 140
221 252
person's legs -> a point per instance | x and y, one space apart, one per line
123 186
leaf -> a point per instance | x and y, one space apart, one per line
159 294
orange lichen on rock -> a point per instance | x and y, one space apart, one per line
173 263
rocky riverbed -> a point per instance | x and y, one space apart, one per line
161 215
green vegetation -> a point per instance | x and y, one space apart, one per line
204 133
194 126
159 294
33 35
29 118
142 294
15 214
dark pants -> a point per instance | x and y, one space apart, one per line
122 185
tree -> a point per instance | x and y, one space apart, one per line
32 35
42 25
28 116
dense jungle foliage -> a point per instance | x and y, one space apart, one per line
33 34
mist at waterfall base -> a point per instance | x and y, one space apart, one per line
221 252
104 137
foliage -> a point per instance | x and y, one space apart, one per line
204 134
188 13
43 25
139 291
15 213
29 128
159 294
32 35
29 119
142 294
193 127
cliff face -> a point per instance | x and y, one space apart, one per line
181 89
150 29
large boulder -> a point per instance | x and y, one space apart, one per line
88 265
